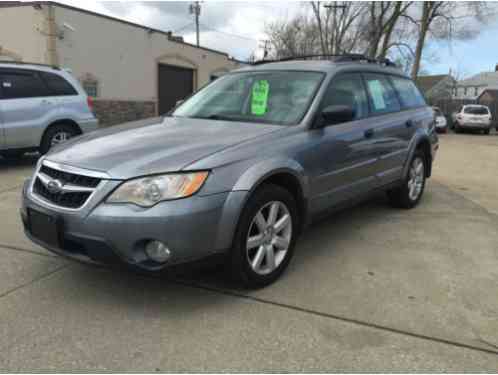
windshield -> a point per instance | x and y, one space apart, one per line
476 110
276 97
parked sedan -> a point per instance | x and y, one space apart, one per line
441 123
472 117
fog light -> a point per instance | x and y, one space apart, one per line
157 251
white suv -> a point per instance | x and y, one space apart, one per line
40 106
472 117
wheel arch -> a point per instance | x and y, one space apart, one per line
287 174
65 121
420 142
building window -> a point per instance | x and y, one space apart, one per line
465 91
91 88
476 89
90 84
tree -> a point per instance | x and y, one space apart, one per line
383 17
338 25
446 20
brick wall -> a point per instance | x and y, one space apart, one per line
112 112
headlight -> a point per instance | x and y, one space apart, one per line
148 191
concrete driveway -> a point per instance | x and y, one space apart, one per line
370 289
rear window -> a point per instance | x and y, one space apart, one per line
382 95
58 86
22 85
476 110
409 94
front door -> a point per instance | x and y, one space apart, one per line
175 83
343 162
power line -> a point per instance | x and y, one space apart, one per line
230 34
183 27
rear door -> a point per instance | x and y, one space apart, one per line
392 127
343 162
2 136
175 83
25 106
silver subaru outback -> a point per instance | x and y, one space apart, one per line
40 106
238 170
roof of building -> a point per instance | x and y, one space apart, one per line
481 79
426 83
493 93
169 34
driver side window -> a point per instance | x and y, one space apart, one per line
347 90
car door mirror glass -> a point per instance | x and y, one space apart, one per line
336 114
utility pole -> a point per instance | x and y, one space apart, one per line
334 8
195 9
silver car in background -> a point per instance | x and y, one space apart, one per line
40 106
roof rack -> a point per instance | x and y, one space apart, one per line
28 63
334 58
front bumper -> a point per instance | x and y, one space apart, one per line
193 228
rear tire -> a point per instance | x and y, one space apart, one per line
408 195
265 237
57 134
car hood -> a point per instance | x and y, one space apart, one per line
165 146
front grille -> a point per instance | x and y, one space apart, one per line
74 189
70 178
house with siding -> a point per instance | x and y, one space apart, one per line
473 87
132 70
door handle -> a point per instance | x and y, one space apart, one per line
368 133
46 102
409 123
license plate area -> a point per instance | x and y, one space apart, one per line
46 228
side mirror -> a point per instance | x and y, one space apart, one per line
178 102
336 114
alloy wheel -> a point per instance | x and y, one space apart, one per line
416 178
269 237
59 137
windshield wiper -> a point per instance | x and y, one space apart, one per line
216 117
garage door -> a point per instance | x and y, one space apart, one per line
175 83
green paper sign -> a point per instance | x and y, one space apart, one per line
259 102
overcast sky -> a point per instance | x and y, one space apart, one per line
238 29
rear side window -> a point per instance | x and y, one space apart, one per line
348 90
409 94
22 85
58 86
383 98
476 111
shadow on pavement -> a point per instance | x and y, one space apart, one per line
26 160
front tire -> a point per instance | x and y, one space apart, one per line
408 195
57 134
265 237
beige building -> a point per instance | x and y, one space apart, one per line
132 70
